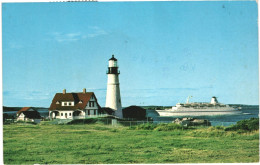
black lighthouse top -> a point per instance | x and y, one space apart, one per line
113 58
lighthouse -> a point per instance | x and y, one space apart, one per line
113 99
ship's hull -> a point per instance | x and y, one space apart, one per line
199 112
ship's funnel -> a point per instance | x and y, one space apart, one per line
214 100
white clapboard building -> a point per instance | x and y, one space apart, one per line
74 105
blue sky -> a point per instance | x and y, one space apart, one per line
166 51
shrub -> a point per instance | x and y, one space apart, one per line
246 125
253 124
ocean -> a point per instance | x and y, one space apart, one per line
218 120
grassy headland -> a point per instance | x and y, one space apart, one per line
98 143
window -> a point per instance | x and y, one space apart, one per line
94 112
91 104
115 63
57 102
70 114
88 112
65 103
69 103
61 114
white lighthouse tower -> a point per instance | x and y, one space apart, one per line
113 99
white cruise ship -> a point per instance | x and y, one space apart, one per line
200 109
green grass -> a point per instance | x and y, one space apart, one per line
97 143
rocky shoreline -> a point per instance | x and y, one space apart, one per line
192 122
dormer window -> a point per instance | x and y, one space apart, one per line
67 103
57 102
80 102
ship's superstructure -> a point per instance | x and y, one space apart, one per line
214 100
113 99
199 109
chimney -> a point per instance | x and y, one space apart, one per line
84 90
64 91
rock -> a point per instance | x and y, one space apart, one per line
183 121
192 122
202 122
187 118
177 121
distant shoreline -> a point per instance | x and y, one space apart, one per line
7 109
148 107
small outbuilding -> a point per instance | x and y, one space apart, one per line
28 114
134 112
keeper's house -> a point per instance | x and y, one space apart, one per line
74 105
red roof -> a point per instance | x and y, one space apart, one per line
24 109
75 97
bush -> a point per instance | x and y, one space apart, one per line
246 125
253 124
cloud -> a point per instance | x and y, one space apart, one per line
96 31
93 31
62 37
